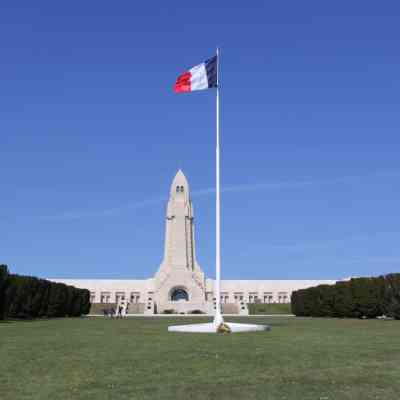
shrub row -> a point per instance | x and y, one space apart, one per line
356 298
3 279
30 297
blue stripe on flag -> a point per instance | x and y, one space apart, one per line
211 68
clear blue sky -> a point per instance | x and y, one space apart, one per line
91 135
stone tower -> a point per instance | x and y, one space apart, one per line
179 282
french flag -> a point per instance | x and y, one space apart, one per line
200 77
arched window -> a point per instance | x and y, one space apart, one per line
177 189
182 189
179 294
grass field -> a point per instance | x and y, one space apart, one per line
269 309
137 358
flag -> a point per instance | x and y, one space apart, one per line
200 77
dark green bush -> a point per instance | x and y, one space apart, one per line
30 297
326 301
3 280
316 301
391 297
343 300
356 298
367 295
297 302
312 302
3 274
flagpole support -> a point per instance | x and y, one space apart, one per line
218 319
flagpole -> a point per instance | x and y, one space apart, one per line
218 314
218 319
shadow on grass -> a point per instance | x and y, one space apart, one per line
19 320
16 320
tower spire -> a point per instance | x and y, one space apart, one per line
179 185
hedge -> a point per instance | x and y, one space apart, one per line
3 279
356 298
29 297
391 296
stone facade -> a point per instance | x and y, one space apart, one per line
179 275
179 283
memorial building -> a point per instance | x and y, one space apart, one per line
180 285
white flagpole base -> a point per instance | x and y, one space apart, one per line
213 328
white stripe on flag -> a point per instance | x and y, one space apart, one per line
198 80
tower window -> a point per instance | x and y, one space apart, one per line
177 189
182 189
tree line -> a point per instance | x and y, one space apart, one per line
29 297
355 298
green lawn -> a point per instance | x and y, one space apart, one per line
269 309
137 358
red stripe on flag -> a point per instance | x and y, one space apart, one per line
182 84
